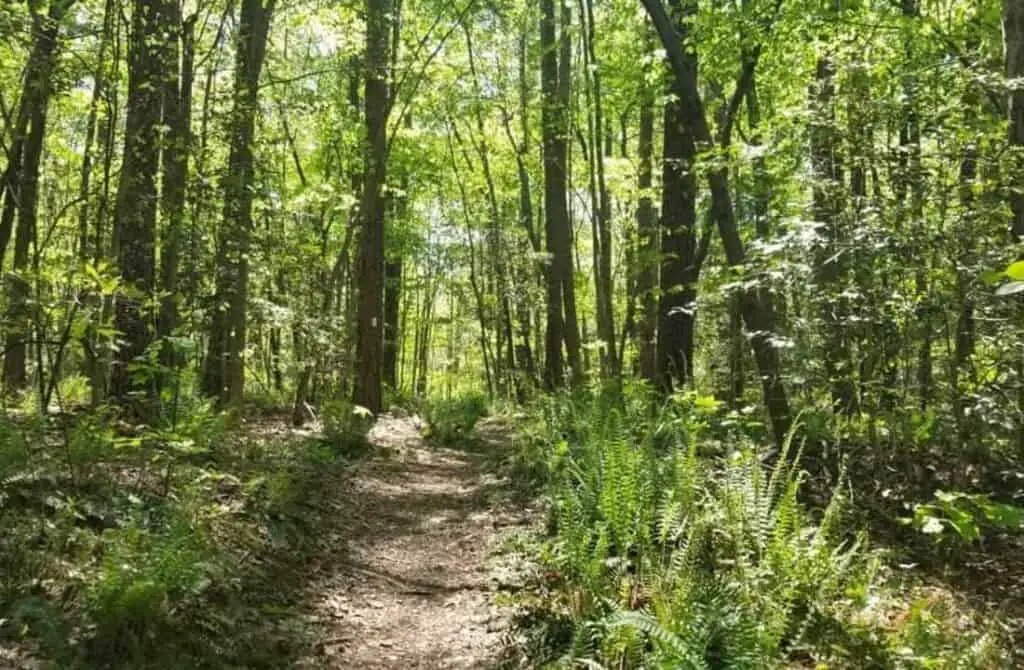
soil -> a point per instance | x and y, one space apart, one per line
412 590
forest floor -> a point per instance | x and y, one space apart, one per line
410 586
386 558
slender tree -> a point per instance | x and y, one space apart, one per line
21 183
224 374
758 316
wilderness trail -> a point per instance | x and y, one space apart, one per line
412 590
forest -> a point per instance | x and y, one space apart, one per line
610 334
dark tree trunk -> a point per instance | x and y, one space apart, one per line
21 195
178 120
392 303
1013 33
676 308
370 339
681 252
758 317
22 192
556 223
649 242
135 220
224 373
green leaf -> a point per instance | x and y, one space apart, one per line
1016 271
1012 288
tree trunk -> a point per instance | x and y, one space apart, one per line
564 230
135 220
555 208
224 373
392 303
681 255
758 317
178 120
1013 33
370 340
603 239
649 241
676 305
22 184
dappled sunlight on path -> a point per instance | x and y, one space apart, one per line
412 589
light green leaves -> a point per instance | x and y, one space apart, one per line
1016 284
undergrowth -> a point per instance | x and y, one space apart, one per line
175 545
452 420
659 555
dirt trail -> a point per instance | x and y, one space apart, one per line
412 590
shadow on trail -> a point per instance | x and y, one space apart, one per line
370 563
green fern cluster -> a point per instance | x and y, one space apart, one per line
660 558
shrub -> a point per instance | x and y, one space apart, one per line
452 420
658 557
345 426
150 570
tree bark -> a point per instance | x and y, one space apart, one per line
679 247
758 317
370 341
1013 33
224 373
22 192
649 241
136 213
392 303
555 208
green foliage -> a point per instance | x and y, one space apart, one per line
345 426
151 569
451 420
970 516
151 546
660 558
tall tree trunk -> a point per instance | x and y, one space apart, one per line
573 342
1013 32
556 215
177 95
830 258
681 256
23 189
135 220
603 239
392 303
370 341
649 241
676 308
224 373
758 317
